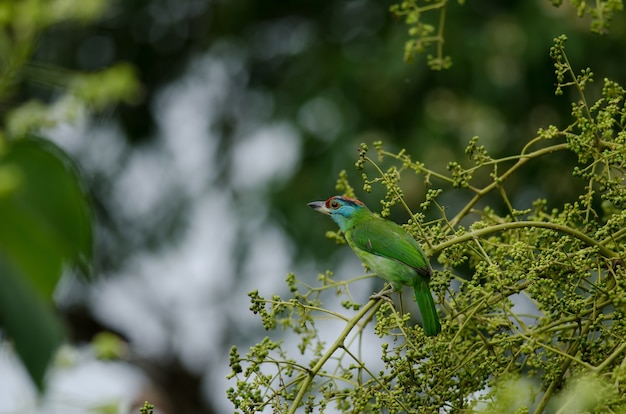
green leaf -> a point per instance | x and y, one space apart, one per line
29 321
46 226
46 219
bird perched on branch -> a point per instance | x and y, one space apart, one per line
387 249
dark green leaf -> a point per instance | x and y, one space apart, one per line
46 219
45 227
29 320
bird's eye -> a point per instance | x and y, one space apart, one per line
334 204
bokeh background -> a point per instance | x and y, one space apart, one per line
247 111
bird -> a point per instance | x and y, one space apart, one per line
387 249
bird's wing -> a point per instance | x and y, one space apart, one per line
387 239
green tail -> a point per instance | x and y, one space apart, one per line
425 302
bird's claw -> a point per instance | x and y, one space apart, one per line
384 294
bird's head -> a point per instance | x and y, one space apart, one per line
340 209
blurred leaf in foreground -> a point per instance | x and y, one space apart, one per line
45 227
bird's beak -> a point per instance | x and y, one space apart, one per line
319 206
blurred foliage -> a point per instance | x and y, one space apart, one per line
425 35
533 298
21 24
601 12
46 215
109 346
93 91
46 226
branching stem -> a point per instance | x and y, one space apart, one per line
370 306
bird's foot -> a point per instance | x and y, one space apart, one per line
383 294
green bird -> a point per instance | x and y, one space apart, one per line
387 249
